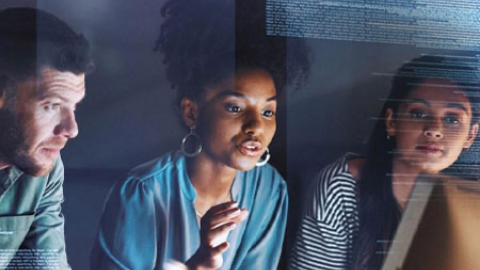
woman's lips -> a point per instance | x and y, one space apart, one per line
429 149
251 148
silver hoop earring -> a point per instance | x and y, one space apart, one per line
388 137
260 163
198 145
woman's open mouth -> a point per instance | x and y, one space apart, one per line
251 148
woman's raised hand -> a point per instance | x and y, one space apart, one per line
215 225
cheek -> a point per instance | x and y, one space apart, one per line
37 129
270 129
407 133
216 132
456 139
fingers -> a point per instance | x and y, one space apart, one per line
219 215
207 257
241 217
219 208
235 215
218 250
219 219
215 226
219 234
215 258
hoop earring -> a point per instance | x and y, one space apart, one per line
263 162
198 148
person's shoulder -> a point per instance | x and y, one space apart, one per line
336 180
157 167
337 171
150 179
355 165
333 192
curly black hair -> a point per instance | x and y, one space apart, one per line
203 41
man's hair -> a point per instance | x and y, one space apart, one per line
31 39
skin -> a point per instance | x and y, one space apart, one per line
431 128
236 121
42 120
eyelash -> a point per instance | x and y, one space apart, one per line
52 107
237 109
417 114
268 113
233 108
449 119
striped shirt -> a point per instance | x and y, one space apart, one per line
330 223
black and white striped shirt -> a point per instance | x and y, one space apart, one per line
330 224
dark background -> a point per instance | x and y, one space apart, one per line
127 117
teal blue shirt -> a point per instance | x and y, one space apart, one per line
31 222
149 218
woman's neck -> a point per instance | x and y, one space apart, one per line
404 176
211 179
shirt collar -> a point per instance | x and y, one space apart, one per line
8 176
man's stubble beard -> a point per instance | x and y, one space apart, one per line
14 149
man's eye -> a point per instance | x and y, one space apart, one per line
268 113
233 108
51 107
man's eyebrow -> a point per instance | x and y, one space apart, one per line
45 96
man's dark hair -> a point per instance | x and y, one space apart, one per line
31 39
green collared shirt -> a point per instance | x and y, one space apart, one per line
31 222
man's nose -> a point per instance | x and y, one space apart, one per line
67 126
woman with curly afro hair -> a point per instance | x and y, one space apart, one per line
215 203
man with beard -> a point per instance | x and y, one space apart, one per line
43 63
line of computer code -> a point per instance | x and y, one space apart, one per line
442 24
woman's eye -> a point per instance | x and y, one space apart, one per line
451 120
233 108
418 114
268 113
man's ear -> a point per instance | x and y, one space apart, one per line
189 112
472 134
390 123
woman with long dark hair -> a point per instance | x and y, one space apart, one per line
215 203
356 204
